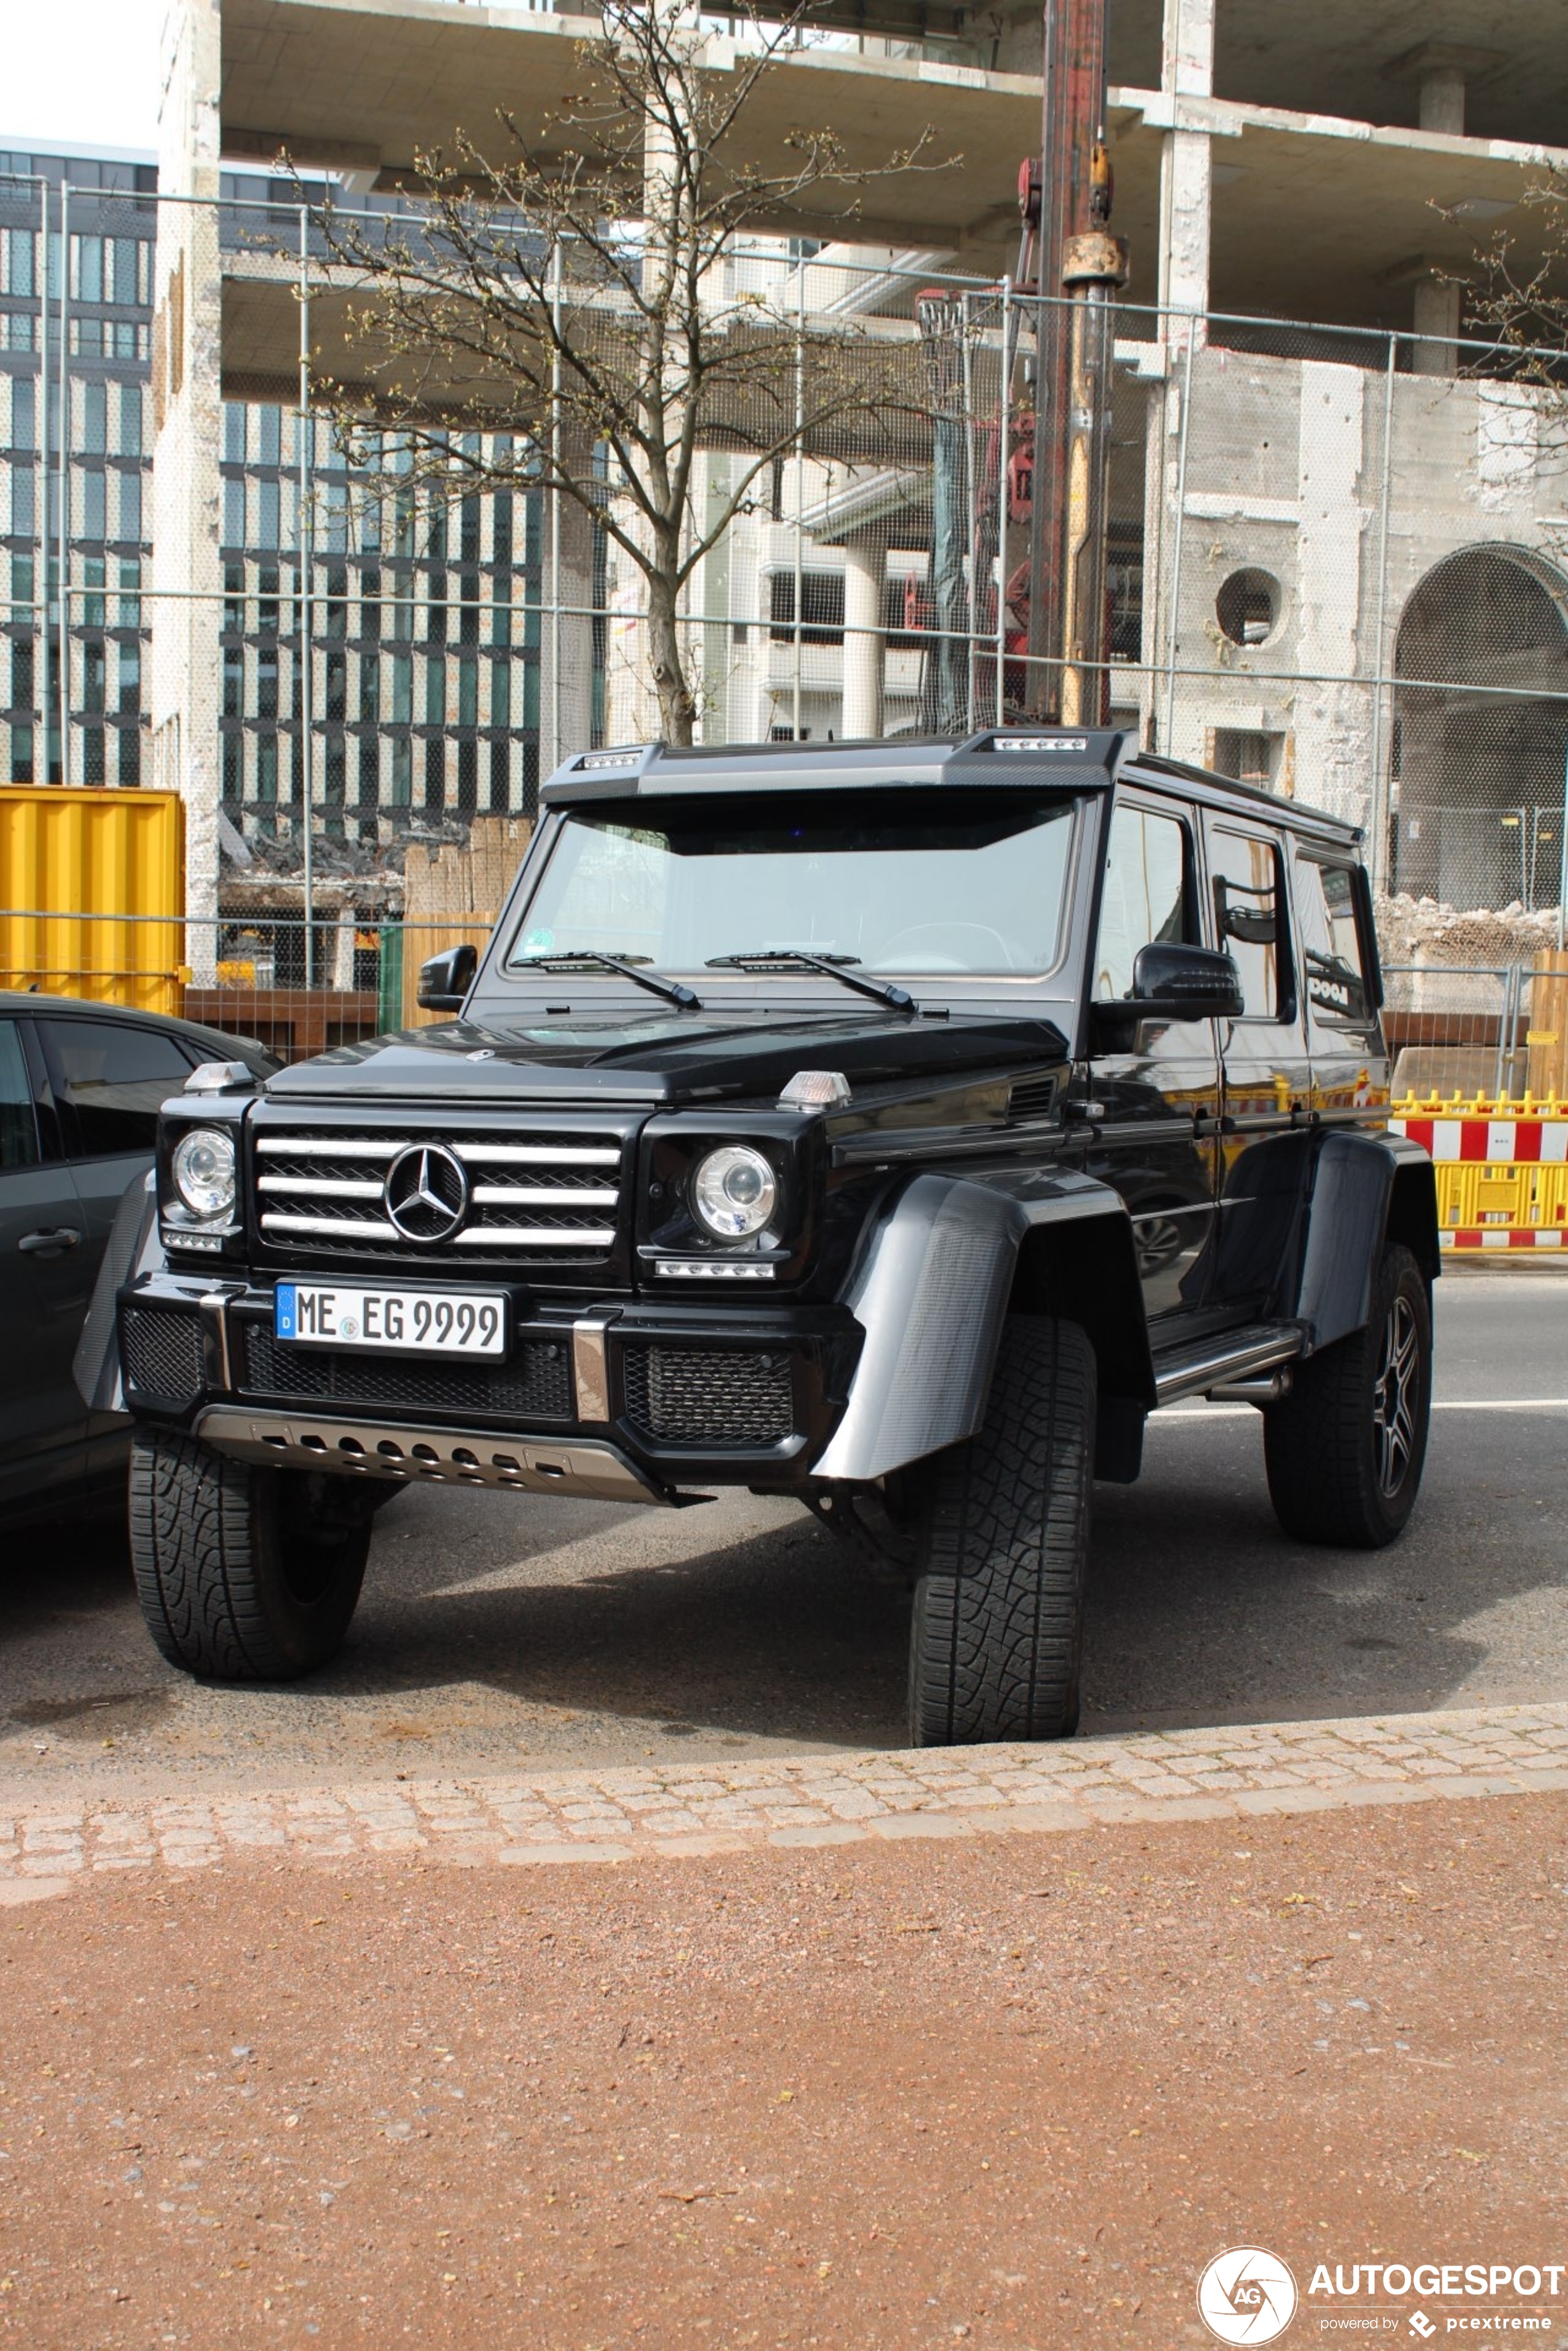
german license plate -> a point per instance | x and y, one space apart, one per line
397 1322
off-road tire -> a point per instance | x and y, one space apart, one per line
244 1574
997 1631
1326 1445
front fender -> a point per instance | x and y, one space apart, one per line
930 1291
133 1248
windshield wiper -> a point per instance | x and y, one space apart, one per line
674 991
834 966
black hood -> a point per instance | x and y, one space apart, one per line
663 1056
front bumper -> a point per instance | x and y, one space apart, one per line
593 1396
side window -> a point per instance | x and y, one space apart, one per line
1249 918
18 1128
116 1076
1146 895
1334 967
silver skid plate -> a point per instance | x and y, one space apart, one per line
453 1457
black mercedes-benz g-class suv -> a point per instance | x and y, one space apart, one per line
895 1125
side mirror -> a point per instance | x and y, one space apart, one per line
1176 982
445 979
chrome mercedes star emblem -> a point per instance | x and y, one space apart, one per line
426 1193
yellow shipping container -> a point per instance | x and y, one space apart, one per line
74 866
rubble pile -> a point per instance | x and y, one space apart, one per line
1429 930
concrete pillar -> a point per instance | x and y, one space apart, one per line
566 631
1436 320
1333 720
865 644
1442 100
1186 184
187 415
186 427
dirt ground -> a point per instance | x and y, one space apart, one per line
1012 2091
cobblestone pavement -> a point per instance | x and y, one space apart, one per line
614 1815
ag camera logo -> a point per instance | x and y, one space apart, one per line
1246 2295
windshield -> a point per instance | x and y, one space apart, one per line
973 886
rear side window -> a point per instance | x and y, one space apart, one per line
115 1077
18 1128
1334 959
1144 898
1249 918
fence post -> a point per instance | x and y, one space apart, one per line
306 589
65 543
41 584
1174 589
1380 724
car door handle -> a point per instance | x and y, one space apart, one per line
64 1237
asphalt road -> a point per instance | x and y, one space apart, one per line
499 1633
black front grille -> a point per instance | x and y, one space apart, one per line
691 1396
161 1355
525 1192
535 1386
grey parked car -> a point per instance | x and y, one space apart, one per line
79 1090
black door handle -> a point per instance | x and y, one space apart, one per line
64 1237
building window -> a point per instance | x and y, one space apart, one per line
130 756
1250 757
19 253
233 767
822 608
24 418
94 501
130 421
434 779
1248 607
130 509
92 754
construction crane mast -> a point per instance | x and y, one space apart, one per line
1040 467
1066 207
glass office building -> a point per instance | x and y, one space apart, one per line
419 705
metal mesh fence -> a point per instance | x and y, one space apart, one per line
1335 566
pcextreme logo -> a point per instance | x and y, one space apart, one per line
1246 2295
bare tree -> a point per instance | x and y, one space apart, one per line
576 315
1517 299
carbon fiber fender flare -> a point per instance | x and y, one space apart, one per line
1367 1189
133 1249
931 1290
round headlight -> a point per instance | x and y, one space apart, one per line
202 1167
735 1191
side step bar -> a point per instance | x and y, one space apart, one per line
584 1467
1224 1362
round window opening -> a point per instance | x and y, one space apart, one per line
1248 607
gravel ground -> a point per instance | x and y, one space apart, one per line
1012 2093
502 1634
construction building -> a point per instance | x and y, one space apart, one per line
1338 535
